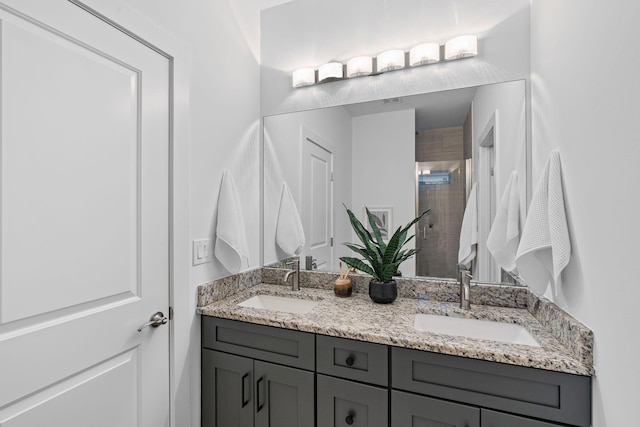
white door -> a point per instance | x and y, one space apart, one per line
83 221
487 268
317 203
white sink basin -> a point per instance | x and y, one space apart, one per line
284 304
474 328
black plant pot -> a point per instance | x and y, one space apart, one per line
383 293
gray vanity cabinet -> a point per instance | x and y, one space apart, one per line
343 403
245 381
498 419
284 397
241 392
227 391
410 410
255 375
352 383
539 394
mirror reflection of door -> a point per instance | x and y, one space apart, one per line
486 269
317 200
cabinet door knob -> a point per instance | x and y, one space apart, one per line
350 360
350 417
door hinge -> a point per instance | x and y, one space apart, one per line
492 171
170 313
331 242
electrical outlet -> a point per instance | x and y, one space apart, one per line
201 251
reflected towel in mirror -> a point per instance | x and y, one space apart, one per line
231 248
289 231
545 248
469 230
504 237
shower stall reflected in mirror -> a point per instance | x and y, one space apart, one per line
443 175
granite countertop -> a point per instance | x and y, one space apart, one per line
358 318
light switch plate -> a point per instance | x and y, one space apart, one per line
201 251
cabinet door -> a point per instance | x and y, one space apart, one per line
409 410
226 390
284 397
344 403
498 419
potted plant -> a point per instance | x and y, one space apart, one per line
380 259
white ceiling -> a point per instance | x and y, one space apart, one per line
433 110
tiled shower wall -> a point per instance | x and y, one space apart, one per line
439 234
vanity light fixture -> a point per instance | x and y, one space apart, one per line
390 60
331 70
423 54
304 77
461 47
359 66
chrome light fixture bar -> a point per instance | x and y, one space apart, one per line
390 60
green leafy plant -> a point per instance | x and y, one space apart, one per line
381 260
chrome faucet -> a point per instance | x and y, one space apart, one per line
295 283
465 288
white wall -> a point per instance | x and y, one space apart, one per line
309 33
585 92
384 150
283 162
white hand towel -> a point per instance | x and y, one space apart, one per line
545 248
231 249
469 230
289 231
504 236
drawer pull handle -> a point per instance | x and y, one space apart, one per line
350 360
244 402
350 417
260 405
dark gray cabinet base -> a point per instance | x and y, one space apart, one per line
227 391
284 396
498 419
409 410
343 403
240 392
255 375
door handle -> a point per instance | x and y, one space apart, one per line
260 405
244 402
155 320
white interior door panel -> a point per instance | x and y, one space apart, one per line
84 224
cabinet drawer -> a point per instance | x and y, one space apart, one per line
498 419
356 360
409 410
282 346
344 403
532 392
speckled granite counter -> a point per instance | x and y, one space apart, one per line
359 318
